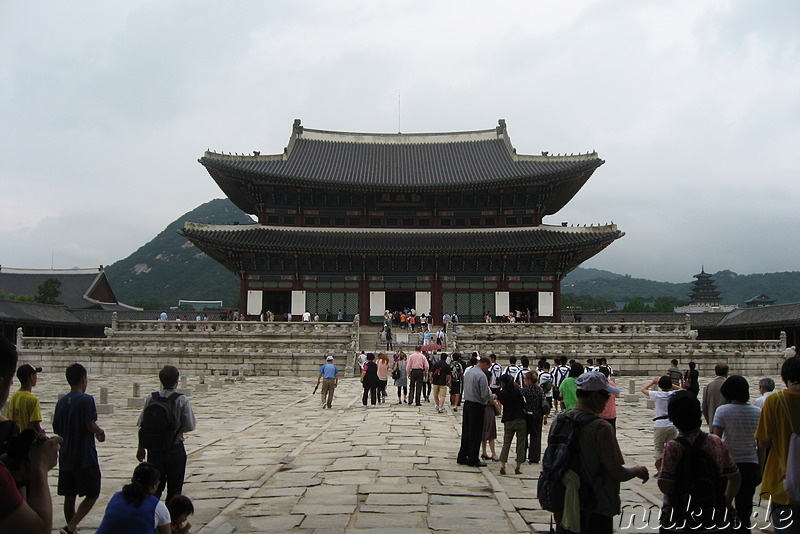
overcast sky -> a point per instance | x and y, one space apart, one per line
105 108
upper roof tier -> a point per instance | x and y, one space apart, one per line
401 162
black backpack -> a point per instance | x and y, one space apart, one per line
561 455
457 371
697 501
160 423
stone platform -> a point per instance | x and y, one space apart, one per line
266 458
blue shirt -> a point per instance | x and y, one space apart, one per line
329 370
74 411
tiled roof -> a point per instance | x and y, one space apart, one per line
400 241
766 315
403 161
76 284
36 313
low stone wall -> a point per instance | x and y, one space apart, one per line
143 347
631 348
298 349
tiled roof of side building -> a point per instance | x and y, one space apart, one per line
767 315
37 313
75 290
401 241
427 161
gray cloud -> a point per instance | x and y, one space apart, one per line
105 108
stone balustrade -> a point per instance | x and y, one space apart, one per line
282 348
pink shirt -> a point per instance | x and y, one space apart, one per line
417 360
610 411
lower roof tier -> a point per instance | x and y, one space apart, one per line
256 247
400 241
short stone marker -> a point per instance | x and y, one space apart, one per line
202 387
136 400
184 386
215 382
632 396
104 407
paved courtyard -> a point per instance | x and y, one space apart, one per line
266 458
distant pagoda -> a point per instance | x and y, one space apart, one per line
704 291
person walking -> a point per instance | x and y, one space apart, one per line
383 376
329 375
400 377
712 398
780 419
167 452
536 410
514 424
441 378
736 423
75 420
714 475
691 379
417 367
663 429
600 463
23 406
369 380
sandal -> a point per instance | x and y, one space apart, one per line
517 471
502 470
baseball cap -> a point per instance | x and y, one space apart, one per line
329 358
25 371
595 381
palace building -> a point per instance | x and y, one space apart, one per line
365 222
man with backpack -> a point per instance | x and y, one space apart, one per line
546 382
456 377
699 477
495 370
167 414
560 372
583 466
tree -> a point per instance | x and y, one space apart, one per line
49 291
636 305
667 304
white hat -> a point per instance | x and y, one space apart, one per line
595 381
329 358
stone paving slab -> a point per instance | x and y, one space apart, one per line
289 466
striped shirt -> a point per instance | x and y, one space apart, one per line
739 422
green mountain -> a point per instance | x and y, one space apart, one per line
170 268
733 288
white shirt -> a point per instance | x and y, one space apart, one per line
161 516
760 401
306 317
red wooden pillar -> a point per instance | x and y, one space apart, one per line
557 301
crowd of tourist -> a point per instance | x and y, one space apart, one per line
747 444
27 454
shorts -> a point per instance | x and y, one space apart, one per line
455 387
84 482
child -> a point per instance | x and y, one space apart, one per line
180 508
